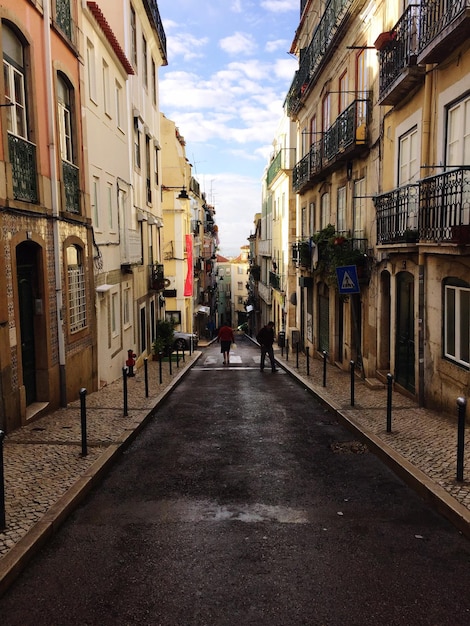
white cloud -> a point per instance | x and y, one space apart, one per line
235 208
277 44
280 6
238 43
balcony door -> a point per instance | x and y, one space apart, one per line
405 334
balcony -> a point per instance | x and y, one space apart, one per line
23 165
275 281
443 27
398 50
322 44
156 277
151 6
347 138
70 174
444 207
63 19
397 215
279 163
302 253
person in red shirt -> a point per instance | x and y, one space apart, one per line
226 338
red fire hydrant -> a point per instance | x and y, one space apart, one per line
130 362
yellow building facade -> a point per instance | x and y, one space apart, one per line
382 185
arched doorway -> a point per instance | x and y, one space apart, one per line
405 336
27 262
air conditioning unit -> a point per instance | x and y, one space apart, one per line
294 334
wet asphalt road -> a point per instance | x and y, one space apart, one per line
244 503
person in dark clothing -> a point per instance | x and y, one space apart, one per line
265 338
226 338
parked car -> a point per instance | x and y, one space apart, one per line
182 341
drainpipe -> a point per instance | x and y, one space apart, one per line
52 141
425 159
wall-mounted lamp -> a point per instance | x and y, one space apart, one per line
183 194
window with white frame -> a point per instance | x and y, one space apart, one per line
114 314
126 310
118 96
154 83
359 208
458 133
341 210
14 79
106 98
64 101
91 67
311 219
137 140
109 201
362 87
145 64
457 323
325 210
133 38
76 288
408 161
96 201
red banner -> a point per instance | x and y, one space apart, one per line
188 283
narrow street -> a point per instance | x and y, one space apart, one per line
244 502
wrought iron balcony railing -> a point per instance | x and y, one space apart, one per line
349 128
63 17
70 174
154 14
436 209
275 280
399 54
282 161
345 136
312 58
157 277
23 164
444 206
397 215
443 25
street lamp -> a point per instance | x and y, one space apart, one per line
183 194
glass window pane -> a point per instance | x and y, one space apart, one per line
450 321
465 326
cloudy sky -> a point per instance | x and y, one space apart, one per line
228 73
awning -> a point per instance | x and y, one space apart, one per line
205 310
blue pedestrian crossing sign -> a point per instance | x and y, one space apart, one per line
347 279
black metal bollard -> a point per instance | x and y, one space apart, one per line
177 357
83 420
170 364
160 361
297 355
461 410
124 390
183 355
325 354
353 380
389 402
308 359
3 524
287 349
146 376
